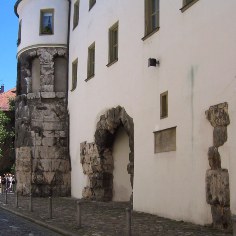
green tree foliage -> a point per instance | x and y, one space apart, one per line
7 136
4 133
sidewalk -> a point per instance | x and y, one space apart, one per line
101 219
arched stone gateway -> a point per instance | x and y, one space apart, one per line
97 159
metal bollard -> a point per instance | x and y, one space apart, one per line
78 217
17 202
31 203
128 221
6 196
50 207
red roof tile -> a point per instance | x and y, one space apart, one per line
4 97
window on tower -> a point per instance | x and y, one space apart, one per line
46 21
19 33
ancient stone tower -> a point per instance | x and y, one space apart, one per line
42 155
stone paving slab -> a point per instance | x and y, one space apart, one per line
102 219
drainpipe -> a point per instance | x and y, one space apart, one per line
67 87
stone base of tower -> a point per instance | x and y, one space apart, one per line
42 159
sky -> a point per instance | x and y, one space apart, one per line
8 48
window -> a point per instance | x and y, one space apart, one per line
46 21
91 61
74 74
187 4
91 3
151 16
19 33
164 104
113 43
76 14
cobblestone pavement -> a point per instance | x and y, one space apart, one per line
103 219
13 225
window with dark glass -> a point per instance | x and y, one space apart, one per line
74 74
113 43
164 104
187 4
46 21
76 14
19 33
91 3
151 16
91 61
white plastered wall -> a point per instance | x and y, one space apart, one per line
197 56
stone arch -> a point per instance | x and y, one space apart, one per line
97 159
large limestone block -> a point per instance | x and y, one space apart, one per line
217 187
221 217
214 158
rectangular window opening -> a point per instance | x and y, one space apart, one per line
91 61
113 43
151 16
46 21
187 4
19 33
164 105
91 4
74 74
76 14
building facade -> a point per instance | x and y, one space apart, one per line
150 98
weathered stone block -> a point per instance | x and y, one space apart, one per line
33 95
214 158
48 94
221 217
47 126
217 187
218 115
60 165
88 193
48 142
60 94
47 88
219 135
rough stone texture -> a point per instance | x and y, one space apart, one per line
214 158
217 179
97 159
42 155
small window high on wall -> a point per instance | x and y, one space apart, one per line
19 33
151 16
74 74
46 21
113 44
91 3
91 61
187 4
164 105
76 14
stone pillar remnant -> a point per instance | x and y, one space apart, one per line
217 179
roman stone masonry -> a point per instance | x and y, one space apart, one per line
42 155
97 159
217 179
